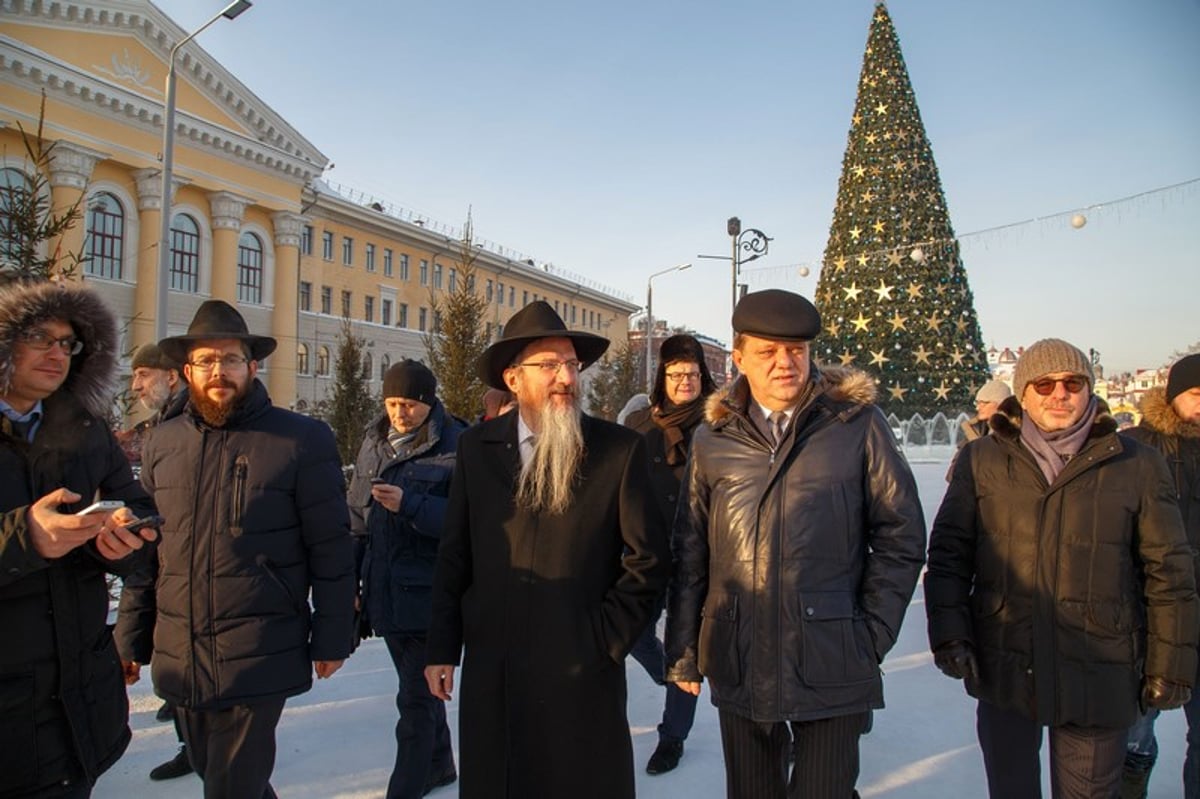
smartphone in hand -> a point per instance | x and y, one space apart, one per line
378 481
144 522
103 506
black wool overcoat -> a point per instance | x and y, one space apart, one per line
542 610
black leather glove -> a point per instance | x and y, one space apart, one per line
1162 694
956 659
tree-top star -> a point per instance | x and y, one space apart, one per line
898 322
914 290
922 355
897 392
877 357
852 291
883 291
942 391
861 323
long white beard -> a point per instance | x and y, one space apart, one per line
547 479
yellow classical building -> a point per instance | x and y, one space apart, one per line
252 220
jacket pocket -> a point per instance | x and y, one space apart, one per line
18 734
241 468
837 646
720 659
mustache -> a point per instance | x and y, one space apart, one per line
220 382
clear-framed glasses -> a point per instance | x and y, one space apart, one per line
679 377
550 368
41 340
1046 385
228 363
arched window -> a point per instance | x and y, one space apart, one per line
323 361
105 237
384 363
15 191
368 362
250 268
185 253
302 359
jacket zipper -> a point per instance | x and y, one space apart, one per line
240 468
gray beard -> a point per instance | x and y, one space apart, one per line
547 479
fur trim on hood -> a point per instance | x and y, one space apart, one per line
90 379
1159 415
1006 421
837 383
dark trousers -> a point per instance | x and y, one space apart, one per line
422 735
679 711
1085 762
826 757
233 750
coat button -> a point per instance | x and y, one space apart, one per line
809 611
657 459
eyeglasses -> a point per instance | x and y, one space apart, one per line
227 362
550 368
679 377
1046 385
41 340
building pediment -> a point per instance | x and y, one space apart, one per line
111 58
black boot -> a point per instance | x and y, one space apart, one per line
665 757
1135 776
177 766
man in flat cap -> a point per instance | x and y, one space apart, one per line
397 512
256 527
797 544
551 562
1060 586
1171 424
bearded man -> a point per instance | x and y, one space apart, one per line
552 559
256 519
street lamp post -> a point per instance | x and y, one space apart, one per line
650 320
230 11
751 242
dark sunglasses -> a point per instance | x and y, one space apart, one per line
1046 385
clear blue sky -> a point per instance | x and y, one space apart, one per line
614 139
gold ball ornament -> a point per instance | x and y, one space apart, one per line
1078 221
804 271
918 255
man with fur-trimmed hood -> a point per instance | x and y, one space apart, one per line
797 544
63 710
1171 424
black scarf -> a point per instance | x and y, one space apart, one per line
674 420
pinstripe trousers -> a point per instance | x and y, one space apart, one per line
825 765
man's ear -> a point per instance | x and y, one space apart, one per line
510 380
736 355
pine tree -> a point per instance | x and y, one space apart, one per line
460 338
613 381
893 293
352 406
28 224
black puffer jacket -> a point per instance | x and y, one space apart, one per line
401 548
255 518
1065 590
664 477
793 569
63 711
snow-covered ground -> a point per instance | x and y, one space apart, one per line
336 742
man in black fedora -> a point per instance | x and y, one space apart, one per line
256 519
552 559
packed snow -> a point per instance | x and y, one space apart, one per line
337 741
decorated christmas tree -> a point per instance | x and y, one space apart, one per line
893 292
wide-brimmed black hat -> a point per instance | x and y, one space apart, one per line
536 320
213 320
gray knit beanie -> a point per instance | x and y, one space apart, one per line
1046 357
993 391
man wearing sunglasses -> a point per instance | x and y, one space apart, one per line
1060 585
